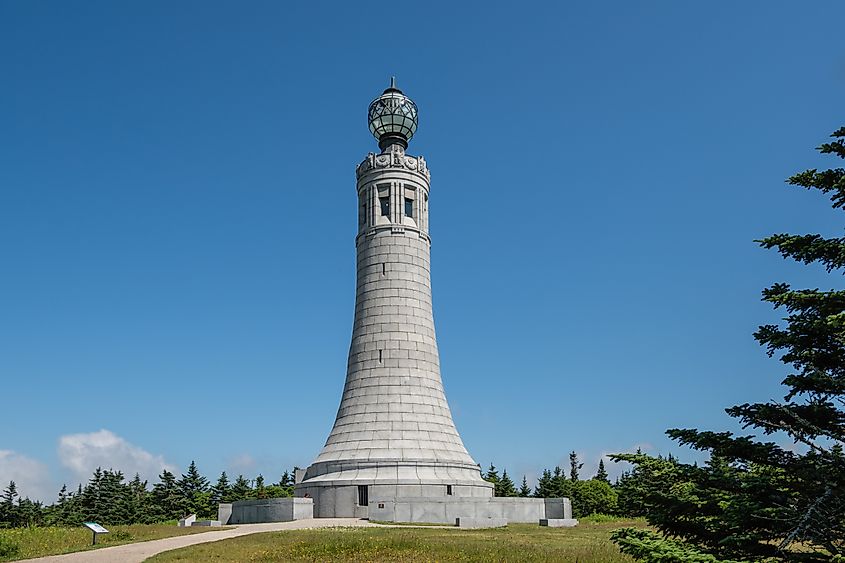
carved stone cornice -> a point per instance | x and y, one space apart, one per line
395 158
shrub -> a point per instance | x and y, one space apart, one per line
651 547
8 548
592 497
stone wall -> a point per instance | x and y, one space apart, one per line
447 510
266 510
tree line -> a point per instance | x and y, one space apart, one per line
592 496
108 498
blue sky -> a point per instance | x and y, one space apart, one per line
178 212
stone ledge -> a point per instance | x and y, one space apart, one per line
559 522
479 523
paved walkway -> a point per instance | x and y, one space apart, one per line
138 552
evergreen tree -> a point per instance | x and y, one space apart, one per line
241 490
524 490
222 490
56 513
601 473
492 476
114 505
283 481
10 493
29 513
286 484
757 499
544 487
90 502
505 487
195 492
167 500
260 489
574 466
138 501
8 509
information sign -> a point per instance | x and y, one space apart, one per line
96 529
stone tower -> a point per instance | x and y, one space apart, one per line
393 435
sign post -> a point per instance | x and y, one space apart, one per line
95 529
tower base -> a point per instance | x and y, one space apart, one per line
350 493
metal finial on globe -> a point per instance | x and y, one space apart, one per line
392 117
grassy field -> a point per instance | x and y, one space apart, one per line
589 542
37 542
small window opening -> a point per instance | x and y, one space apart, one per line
379 356
383 269
384 202
409 207
363 495
449 490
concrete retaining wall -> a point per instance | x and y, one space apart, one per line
447 510
267 510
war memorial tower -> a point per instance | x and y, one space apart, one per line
393 435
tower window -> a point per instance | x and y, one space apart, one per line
409 207
449 490
384 202
363 495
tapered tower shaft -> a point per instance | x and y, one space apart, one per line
394 434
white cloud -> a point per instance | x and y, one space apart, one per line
31 477
83 453
243 463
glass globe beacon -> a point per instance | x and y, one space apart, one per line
392 117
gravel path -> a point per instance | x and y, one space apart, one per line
138 552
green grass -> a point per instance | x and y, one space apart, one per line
38 542
417 524
589 542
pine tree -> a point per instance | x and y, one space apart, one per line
260 489
756 499
241 490
601 473
8 509
544 485
55 513
492 476
114 505
29 513
90 502
285 480
286 484
505 486
574 466
195 492
10 493
524 490
138 498
167 500
222 490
